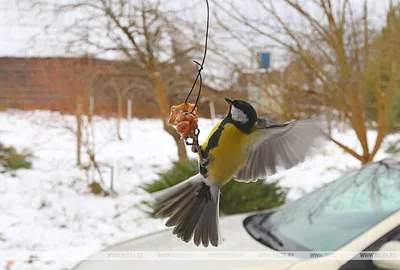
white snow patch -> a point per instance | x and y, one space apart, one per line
48 208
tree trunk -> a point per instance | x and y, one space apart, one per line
180 144
182 154
164 106
118 123
78 130
119 113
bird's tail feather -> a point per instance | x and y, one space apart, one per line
193 210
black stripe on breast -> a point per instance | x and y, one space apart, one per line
212 143
214 139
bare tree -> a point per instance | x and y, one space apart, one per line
339 46
140 31
121 92
69 83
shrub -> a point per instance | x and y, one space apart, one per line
236 197
11 160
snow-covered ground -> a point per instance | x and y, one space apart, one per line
49 208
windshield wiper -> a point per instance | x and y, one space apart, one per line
262 233
269 239
274 238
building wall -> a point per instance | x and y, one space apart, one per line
54 83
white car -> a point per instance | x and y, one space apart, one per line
359 212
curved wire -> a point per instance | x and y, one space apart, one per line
201 65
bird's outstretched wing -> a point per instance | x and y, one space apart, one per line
279 145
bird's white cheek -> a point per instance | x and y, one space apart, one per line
238 115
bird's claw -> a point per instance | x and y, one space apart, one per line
196 147
203 161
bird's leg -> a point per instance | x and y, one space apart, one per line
196 146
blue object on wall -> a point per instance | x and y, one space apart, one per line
265 60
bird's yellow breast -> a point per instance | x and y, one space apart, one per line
228 155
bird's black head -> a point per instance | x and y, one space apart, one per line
242 114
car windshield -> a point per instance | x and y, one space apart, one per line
333 215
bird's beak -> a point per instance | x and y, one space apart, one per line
229 101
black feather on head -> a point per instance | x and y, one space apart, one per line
242 114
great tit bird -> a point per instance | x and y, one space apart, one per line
242 146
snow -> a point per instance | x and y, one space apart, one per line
49 208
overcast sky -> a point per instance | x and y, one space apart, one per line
17 26
16 29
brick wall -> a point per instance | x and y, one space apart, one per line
23 86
